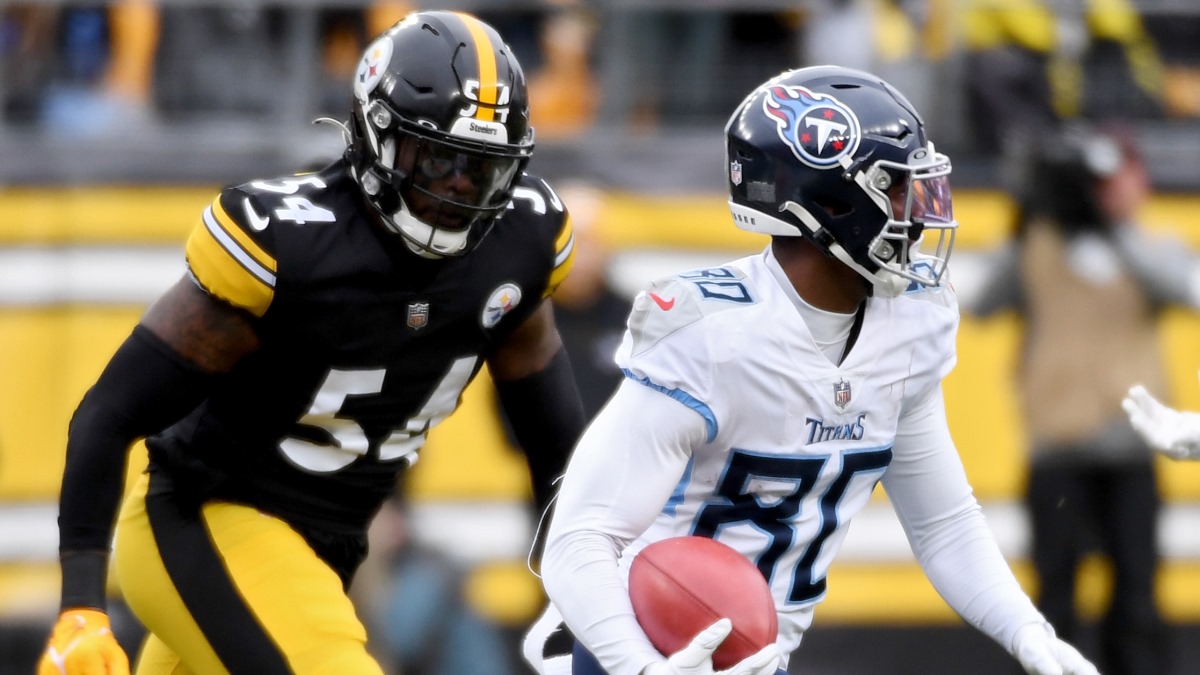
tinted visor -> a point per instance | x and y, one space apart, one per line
921 205
471 180
922 200
452 187
929 199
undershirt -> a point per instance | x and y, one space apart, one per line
829 330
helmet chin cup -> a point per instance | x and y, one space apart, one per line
889 285
887 281
424 239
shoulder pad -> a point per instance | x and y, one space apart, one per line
671 304
535 195
294 199
942 295
229 255
533 198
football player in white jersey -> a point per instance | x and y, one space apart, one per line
765 398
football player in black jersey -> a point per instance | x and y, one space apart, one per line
327 322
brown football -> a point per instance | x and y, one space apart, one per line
682 585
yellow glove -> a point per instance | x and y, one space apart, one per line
83 644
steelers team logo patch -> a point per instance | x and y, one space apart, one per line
819 129
374 63
502 301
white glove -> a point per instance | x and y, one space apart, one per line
1173 433
1041 653
696 658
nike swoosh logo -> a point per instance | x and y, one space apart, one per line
257 223
664 305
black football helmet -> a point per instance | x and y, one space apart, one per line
439 132
839 156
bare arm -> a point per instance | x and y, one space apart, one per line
203 330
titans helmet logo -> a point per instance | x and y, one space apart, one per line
819 129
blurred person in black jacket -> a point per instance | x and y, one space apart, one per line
589 312
1089 284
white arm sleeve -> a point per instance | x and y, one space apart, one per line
946 528
621 474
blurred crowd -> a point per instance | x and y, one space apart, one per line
90 68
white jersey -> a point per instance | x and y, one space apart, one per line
732 424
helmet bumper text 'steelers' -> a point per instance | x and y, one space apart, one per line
439 132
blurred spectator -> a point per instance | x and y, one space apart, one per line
899 40
1033 63
678 51
1089 285
411 599
590 314
523 26
78 69
563 94
840 32
223 58
689 65
1175 34
761 44
343 35
27 41
219 59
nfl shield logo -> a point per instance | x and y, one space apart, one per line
418 315
841 393
735 172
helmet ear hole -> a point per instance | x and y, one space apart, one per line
834 207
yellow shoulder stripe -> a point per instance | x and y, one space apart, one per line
564 255
259 260
229 264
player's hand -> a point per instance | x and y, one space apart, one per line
1173 433
1041 653
82 643
696 658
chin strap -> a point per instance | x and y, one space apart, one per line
855 329
883 282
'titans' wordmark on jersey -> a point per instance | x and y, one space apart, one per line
791 455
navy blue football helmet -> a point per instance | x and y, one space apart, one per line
439 132
840 156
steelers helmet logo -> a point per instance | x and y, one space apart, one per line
372 66
502 301
819 129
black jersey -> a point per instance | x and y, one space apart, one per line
365 346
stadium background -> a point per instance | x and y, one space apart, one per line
91 228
